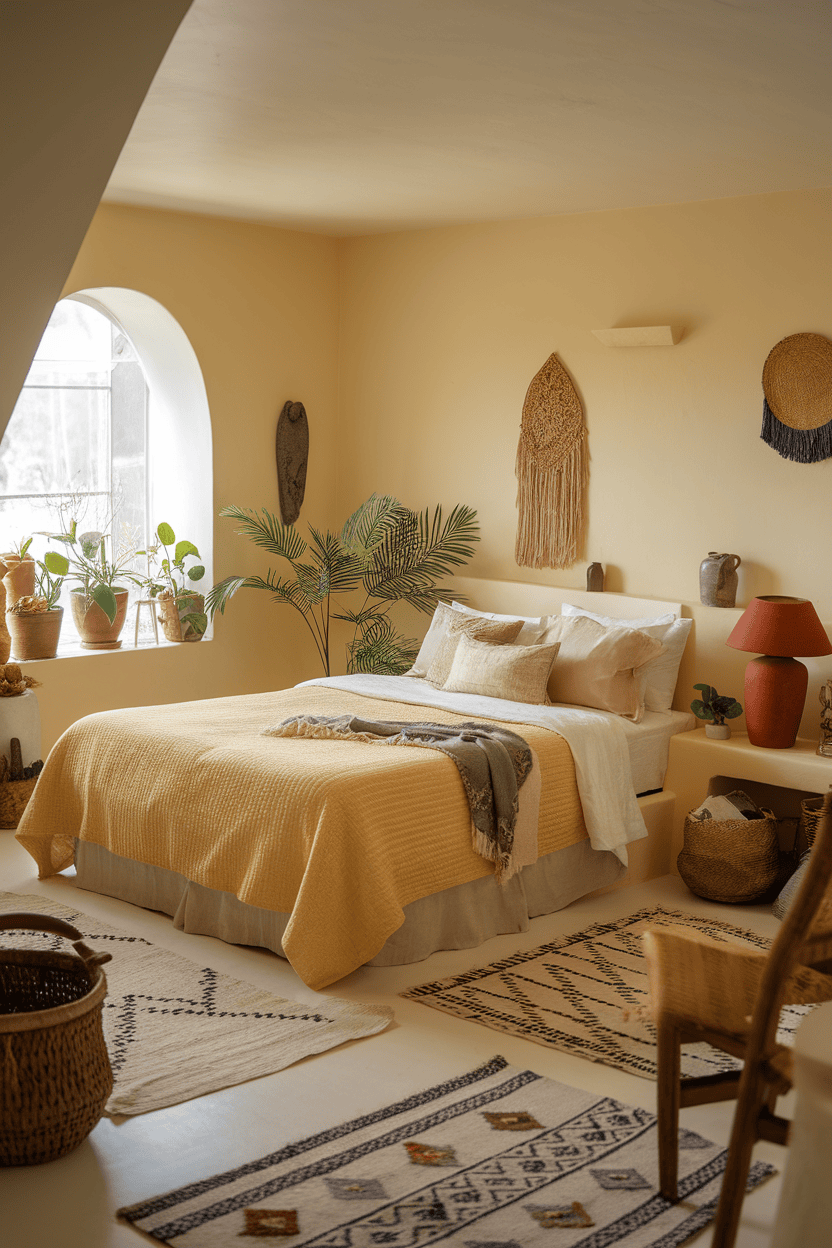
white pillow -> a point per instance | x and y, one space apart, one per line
657 678
437 630
533 625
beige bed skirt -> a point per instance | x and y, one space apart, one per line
457 918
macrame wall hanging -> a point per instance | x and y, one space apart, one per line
551 471
291 448
797 403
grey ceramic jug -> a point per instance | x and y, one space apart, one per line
718 580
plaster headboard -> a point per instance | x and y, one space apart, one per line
526 599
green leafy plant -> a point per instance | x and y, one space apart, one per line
172 577
385 551
713 707
97 574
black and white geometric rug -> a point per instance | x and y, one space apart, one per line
587 994
495 1158
175 1030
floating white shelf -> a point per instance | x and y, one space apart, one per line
637 336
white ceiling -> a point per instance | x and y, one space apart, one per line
359 116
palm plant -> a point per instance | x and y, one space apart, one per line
384 549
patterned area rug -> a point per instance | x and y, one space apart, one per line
587 994
175 1030
496 1158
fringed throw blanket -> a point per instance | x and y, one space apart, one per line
493 764
551 471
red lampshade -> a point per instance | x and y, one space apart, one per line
780 626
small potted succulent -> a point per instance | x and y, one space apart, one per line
714 709
34 621
182 609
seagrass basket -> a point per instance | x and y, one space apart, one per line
730 860
810 809
55 1073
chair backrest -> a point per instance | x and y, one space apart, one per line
787 948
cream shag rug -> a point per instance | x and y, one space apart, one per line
495 1158
176 1030
587 994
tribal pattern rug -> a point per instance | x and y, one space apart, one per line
175 1030
495 1158
587 994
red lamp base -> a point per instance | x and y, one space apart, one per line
775 694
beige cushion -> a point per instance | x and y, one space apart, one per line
599 666
436 631
517 673
497 631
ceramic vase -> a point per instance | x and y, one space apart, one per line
172 612
19 577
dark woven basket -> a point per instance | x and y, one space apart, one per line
55 1073
730 860
810 809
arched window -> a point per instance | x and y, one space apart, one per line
111 429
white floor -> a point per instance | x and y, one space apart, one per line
70 1203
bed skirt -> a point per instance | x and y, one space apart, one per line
458 918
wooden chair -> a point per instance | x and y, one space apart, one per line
702 989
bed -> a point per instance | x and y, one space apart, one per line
331 853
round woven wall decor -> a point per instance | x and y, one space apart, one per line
797 408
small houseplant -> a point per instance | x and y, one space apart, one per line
99 604
182 609
35 620
384 550
19 577
714 709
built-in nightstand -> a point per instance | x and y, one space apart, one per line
779 779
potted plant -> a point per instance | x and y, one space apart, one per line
384 550
99 605
182 609
715 709
19 577
34 621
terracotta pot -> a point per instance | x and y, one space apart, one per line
172 612
35 636
96 631
19 577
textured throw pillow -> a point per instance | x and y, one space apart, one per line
498 631
516 673
436 631
598 666
533 625
658 676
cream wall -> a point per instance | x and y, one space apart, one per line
443 330
259 306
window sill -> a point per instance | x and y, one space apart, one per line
72 648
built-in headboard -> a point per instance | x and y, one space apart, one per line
526 599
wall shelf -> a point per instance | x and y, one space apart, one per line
638 336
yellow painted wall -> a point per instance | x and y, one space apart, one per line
443 330
260 308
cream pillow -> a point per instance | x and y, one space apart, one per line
498 631
533 625
516 673
599 666
657 677
436 631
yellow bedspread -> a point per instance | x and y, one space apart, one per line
341 835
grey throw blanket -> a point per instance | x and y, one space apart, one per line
493 764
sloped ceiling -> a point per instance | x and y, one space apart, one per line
357 116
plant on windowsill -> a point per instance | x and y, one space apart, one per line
715 709
99 605
385 550
182 609
19 577
35 620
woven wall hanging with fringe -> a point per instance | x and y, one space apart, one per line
797 402
551 471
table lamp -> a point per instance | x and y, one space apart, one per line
777 628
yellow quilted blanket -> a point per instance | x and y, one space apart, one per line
339 834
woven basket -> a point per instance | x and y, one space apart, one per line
55 1074
14 798
810 809
730 860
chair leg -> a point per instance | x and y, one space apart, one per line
752 1094
668 1052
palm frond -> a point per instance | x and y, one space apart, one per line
266 531
381 649
409 561
343 571
367 526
